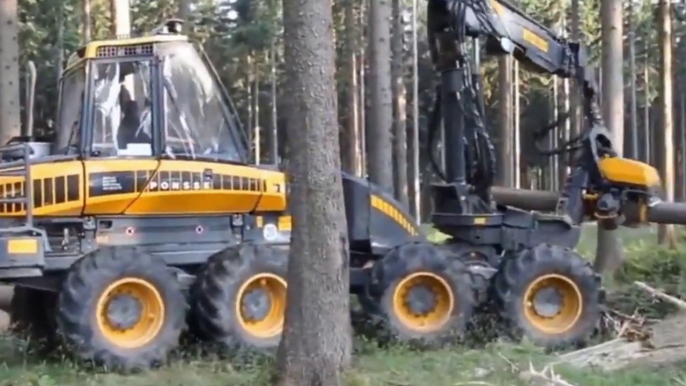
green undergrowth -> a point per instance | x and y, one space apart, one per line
494 364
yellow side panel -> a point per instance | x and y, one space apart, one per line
114 184
628 171
57 190
187 187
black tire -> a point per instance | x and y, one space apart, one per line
81 291
518 272
215 295
32 315
414 258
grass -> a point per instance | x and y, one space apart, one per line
396 366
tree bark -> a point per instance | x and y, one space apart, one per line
121 17
317 340
350 146
86 20
575 118
10 109
399 108
519 167
664 136
273 132
608 253
362 82
633 103
381 107
505 138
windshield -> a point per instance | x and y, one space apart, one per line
197 119
122 118
71 104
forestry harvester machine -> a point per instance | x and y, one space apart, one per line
142 217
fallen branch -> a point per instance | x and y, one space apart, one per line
546 375
676 301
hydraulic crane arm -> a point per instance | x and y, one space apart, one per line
599 183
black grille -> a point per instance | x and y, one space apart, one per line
123 51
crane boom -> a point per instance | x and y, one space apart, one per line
596 171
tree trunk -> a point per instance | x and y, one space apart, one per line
664 136
575 118
255 124
59 57
518 169
608 253
647 149
362 81
86 20
317 340
505 140
273 133
121 17
10 109
399 108
350 145
381 108
633 103
414 174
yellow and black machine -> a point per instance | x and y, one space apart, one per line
143 215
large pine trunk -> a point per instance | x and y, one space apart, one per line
505 129
350 146
608 252
380 151
664 137
10 109
317 339
399 108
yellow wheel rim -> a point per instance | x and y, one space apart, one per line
569 310
431 314
130 312
261 305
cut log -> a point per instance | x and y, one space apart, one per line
666 346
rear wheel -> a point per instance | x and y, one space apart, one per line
121 309
423 296
239 299
551 295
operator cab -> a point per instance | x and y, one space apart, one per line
152 96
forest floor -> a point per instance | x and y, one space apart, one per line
497 363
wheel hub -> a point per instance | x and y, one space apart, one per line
124 311
256 304
548 302
421 299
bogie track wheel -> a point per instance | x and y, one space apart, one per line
551 295
121 309
424 297
239 299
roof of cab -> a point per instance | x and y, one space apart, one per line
90 50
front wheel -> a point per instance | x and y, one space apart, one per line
122 309
549 294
